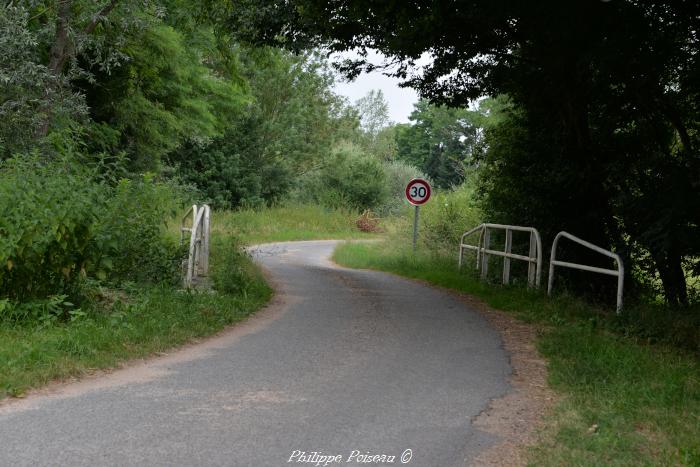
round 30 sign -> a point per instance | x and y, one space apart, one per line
418 191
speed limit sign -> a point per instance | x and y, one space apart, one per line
418 191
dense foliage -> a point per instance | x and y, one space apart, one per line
440 142
598 137
109 111
602 138
60 225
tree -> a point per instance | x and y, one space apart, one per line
27 86
439 142
288 127
376 134
374 112
605 95
160 98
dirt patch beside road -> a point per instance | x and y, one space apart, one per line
515 417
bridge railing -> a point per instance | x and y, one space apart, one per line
198 251
619 272
484 251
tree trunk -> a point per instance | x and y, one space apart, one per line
57 57
63 48
670 269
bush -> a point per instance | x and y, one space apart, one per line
130 242
47 218
348 179
231 172
448 215
397 175
59 223
233 272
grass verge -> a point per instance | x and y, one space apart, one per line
138 322
287 223
624 402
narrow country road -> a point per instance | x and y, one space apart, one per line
341 361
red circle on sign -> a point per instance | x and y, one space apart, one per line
418 191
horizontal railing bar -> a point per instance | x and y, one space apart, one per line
510 227
500 253
610 272
593 247
509 255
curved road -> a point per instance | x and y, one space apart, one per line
342 361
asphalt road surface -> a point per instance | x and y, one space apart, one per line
343 364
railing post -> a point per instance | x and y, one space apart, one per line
485 256
205 240
620 285
506 259
478 250
552 260
532 267
198 252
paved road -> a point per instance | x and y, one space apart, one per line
343 361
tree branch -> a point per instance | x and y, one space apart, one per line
90 27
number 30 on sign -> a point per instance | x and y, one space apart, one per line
418 191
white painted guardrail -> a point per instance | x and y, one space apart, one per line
619 272
483 251
198 252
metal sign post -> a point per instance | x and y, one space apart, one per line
417 193
415 227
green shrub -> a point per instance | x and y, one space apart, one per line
447 216
60 224
349 178
231 173
47 217
233 272
130 242
397 174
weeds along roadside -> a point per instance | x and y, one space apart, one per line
91 268
90 274
131 322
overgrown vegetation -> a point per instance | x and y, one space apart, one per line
62 225
287 223
124 323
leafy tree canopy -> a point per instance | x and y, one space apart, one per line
603 134
440 141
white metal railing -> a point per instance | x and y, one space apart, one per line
619 272
483 251
198 252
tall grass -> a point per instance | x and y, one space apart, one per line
286 223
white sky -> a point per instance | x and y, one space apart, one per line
400 100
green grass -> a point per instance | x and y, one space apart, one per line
644 398
287 223
142 322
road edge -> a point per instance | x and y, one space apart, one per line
516 417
